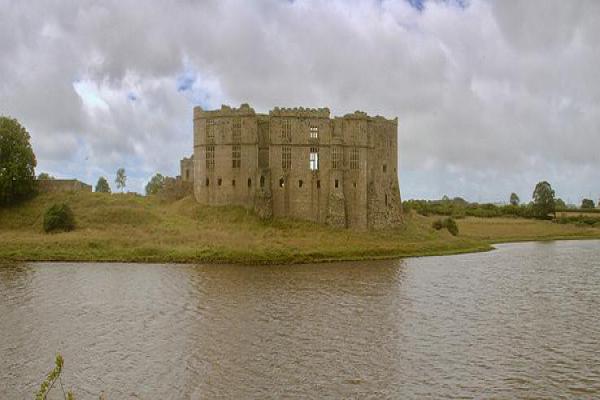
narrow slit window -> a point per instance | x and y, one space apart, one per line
384 168
314 132
318 184
249 182
219 181
300 183
313 160
262 181
233 183
281 182
337 183
207 182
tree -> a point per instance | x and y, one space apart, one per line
543 200
44 175
155 185
560 204
121 179
102 185
514 199
587 203
17 162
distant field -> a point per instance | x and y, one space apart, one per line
143 229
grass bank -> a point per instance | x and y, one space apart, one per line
130 228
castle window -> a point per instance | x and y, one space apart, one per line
354 158
314 132
337 183
286 130
300 183
236 156
318 184
233 183
354 184
336 158
262 181
286 157
219 181
210 130
386 202
207 182
249 182
384 168
210 158
313 160
236 131
281 182
187 174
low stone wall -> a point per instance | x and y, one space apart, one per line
62 185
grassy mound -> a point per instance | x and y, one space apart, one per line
132 228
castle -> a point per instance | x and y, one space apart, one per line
298 162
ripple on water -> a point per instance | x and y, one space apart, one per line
519 322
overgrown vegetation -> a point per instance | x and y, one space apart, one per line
59 217
133 228
448 223
53 377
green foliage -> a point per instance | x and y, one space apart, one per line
452 226
579 220
459 208
102 185
155 185
121 179
50 381
514 199
448 223
45 175
560 204
588 203
17 162
543 200
437 224
59 217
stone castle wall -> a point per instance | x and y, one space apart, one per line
263 162
62 185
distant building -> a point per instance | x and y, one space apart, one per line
298 162
62 185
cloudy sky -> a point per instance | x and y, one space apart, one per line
491 96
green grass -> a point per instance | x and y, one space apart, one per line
132 228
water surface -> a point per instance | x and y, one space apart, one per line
519 322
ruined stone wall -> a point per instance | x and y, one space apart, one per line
62 185
186 167
354 186
223 184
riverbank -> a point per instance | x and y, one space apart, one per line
130 228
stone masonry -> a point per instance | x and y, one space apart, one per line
298 162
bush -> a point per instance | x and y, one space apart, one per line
452 226
59 217
448 223
437 224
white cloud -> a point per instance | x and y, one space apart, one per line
490 97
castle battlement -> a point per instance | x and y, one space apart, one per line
298 162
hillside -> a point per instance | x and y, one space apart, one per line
143 229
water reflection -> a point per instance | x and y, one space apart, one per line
518 322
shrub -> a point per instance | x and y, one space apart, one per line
59 217
437 224
452 226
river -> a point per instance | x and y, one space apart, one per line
522 321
